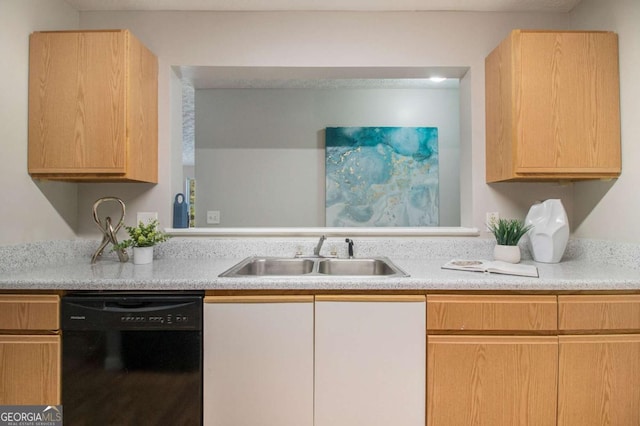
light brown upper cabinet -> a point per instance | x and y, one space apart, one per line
93 107
552 107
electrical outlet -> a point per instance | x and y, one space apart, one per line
491 217
213 217
146 217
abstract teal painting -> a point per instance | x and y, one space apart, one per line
381 176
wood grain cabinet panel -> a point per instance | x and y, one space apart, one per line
29 370
596 313
491 313
93 113
30 363
599 381
552 106
491 380
29 312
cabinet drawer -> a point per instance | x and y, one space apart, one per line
491 313
620 312
29 312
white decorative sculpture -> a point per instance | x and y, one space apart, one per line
549 231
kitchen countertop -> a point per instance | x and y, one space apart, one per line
186 274
195 263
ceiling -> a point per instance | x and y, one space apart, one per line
212 77
329 5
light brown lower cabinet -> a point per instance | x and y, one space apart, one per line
491 360
491 380
30 349
504 360
30 369
599 361
599 381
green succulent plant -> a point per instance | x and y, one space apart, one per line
143 235
508 231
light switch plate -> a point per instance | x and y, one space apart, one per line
213 217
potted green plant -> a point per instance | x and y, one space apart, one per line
508 233
143 238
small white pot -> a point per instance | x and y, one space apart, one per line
509 254
142 255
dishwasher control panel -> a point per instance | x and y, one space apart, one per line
156 319
131 312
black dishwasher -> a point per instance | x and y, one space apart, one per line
132 358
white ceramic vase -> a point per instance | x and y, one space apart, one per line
142 255
509 254
549 231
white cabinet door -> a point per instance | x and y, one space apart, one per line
370 360
258 361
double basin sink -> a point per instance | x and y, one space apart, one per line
320 266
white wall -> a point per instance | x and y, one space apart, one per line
329 39
55 210
29 211
611 210
260 152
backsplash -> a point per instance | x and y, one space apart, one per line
399 247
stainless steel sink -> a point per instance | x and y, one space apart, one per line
255 266
374 267
316 266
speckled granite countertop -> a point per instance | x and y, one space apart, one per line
180 274
188 265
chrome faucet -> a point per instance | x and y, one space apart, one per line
350 242
316 251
